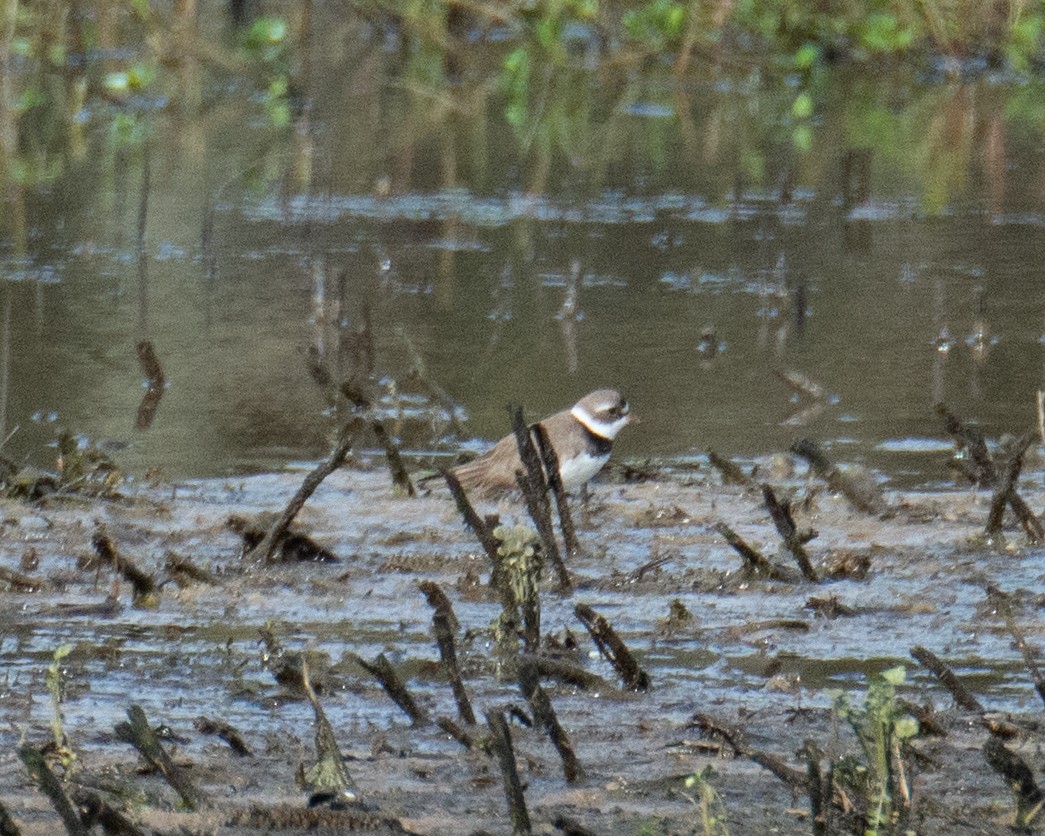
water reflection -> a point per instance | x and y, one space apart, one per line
665 237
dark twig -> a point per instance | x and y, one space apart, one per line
550 460
754 561
52 788
544 715
613 648
155 385
456 732
795 778
565 672
381 669
513 791
535 490
971 440
1005 494
785 526
400 477
443 625
143 738
264 550
935 665
867 499
143 584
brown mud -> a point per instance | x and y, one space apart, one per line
760 654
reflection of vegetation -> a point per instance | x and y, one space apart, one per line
568 77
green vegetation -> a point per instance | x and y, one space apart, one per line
55 688
884 731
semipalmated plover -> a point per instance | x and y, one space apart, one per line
582 438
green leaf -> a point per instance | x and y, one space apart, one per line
895 676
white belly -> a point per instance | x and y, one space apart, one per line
579 470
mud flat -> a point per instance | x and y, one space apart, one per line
213 655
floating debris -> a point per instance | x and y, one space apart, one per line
865 496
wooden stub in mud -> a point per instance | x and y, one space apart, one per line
866 498
381 669
550 460
141 736
51 787
544 715
444 622
1005 494
935 665
613 648
264 550
400 477
501 740
785 526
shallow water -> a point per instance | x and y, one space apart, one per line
681 247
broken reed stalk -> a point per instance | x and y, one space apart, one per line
328 779
613 648
142 582
50 786
444 622
785 526
400 477
1005 494
501 741
1029 798
795 778
550 460
381 669
139 734
868 499
967 438
544 715
535 491
937 668
1003 603
264 550
754 561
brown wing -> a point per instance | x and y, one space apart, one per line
493 472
